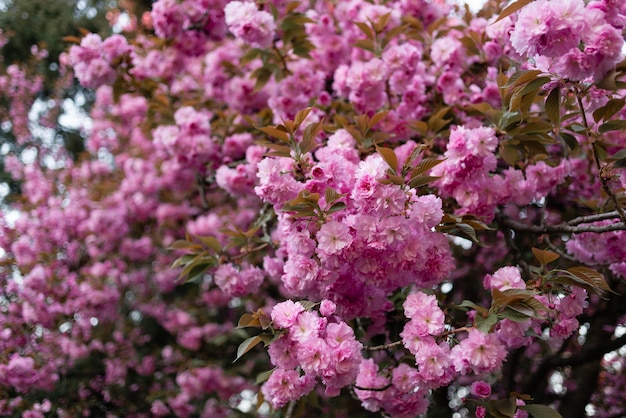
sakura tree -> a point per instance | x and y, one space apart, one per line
341 208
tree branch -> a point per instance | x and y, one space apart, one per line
593 218
383 347
588 354
564 227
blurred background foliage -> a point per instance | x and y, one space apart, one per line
45 24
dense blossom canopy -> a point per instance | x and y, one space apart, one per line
395 207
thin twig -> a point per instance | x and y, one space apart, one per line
557 250
564 227
384 346
453 331
387 386
594 152
513 246
290 409
593 218
200 182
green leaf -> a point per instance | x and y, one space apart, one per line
618 159
182 244
250 56
262 76
523 97
307 304
514 314
510 153
331 195
421 180
212 243
592 277
469 304
262 377
468 231
247 345
608 110
485 323
613 125
570 140
336 207
521 77
541 411
425 165
553 106
512 8
275 132
196 272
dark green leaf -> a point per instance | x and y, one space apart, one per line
425 165
468 231
331 195
517 315
262 76
212 243
469 304
336 207
613 125
197 272
182 244
553 106
608 110
247 345
592 277
484 324
521 77
421 180
262 377
570 140
307 304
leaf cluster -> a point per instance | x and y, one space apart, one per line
507 407
377 37
306 205
362 130
295 42
287 144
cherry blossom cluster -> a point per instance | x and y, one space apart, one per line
311 348
382 241
571 38
95 61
